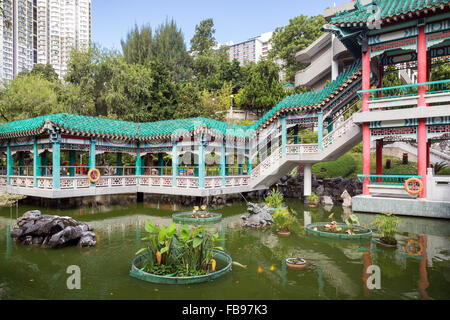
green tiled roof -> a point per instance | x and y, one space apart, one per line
97 126
388 9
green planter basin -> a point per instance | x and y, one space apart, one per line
365 233
186 217
221 256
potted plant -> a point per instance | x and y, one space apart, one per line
387 225
313 200
296 263
274 199
200 212
283 220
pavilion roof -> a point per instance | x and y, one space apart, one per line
387 9
109 128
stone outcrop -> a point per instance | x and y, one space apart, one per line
52 231
258 217
347 198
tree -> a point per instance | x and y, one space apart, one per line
138 46
296 36
28 96
262 90
203 39
46 71
170 50
440 70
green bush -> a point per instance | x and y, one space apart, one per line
358 148
342 167
274 199
444 172
283 219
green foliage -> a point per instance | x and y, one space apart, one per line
387 224
438 167
391 77
440 70
203 39
137 48
185 253
46 71
296 36
444 172
312 198
274 199
358 148
262 90
342 167
352 221
283 219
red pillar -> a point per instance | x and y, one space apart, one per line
379 157
428 154
422 75
365 108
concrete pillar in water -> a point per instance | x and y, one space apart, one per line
307 180
56 168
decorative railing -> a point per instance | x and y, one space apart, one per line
296 149
405 91
302 139
45 183
267 163
158 181
156 171
22 181
338 132
395 180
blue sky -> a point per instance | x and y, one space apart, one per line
235 20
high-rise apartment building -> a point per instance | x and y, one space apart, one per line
42 31
254 50
17 37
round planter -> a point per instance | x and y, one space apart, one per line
284 233
186 217
366 233
378 241
293 265
135 272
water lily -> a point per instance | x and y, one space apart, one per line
203 208
158 257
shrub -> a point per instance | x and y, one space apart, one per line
283 219
312 198
342 167
387 225
274 199
444 172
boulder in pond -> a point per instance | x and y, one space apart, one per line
47 231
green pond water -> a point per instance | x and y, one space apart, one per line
337 272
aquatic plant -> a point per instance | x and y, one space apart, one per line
200 212
274 199
387 225
283 219
188 252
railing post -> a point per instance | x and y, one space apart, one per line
174 164
222 162
201 164
283 135
56 170
9 163
92 152
320 129
36 162
72 162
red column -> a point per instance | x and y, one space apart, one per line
422 75
428 154
379 155
365 108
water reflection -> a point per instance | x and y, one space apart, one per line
340 270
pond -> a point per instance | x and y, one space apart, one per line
337 270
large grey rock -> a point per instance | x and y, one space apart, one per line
327 201
52 231
258 217
347 199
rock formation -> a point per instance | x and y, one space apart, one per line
52 231
258 217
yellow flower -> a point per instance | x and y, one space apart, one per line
203 208
158 257
213 265
196 208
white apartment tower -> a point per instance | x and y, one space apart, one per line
42 31
17 37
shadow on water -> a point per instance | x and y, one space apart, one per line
337 268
